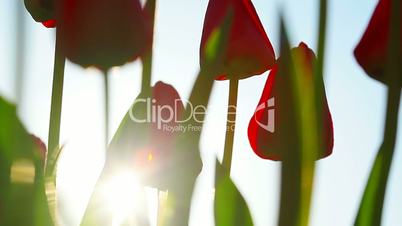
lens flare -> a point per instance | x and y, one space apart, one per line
122 192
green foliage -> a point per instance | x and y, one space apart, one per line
22 195
290 201
230 207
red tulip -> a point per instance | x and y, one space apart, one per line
249 51
160 162
372 51
168 107
42 11
149 144
272 127
102 33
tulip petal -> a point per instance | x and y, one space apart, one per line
102 33
249 51
372 51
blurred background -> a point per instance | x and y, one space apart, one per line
357 104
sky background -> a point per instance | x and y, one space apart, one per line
357 104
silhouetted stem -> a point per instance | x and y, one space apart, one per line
187 153
57 98
290 191
56 107
107 103
230 124
149 8
180 200
20 51
321 40
370 212
319 65
199 96
146 73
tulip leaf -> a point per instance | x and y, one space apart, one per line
290 201
230 207
51 162
307 96
14 140
22 194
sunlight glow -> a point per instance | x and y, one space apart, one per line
150 156
121 193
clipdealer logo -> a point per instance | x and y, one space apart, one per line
164 114
270 107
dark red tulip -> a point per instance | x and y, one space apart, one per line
168 107
372 51
158 161
249 51
102 33
145 140
42 11
272 127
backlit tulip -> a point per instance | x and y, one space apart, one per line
273 127
372 51
248 51
146 140
157 160
102 33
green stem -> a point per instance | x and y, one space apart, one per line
370 211
57 98
147 58
180 192
179 199
107 103
290 201
321 41
199 96
146 73
56 108
319 67
20 50
158 206
230 124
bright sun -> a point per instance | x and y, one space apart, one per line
122 193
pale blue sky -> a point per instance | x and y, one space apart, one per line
356 102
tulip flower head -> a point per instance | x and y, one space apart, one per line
273 127
249 51
157 160
146 140
42 11
372 51
102 33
